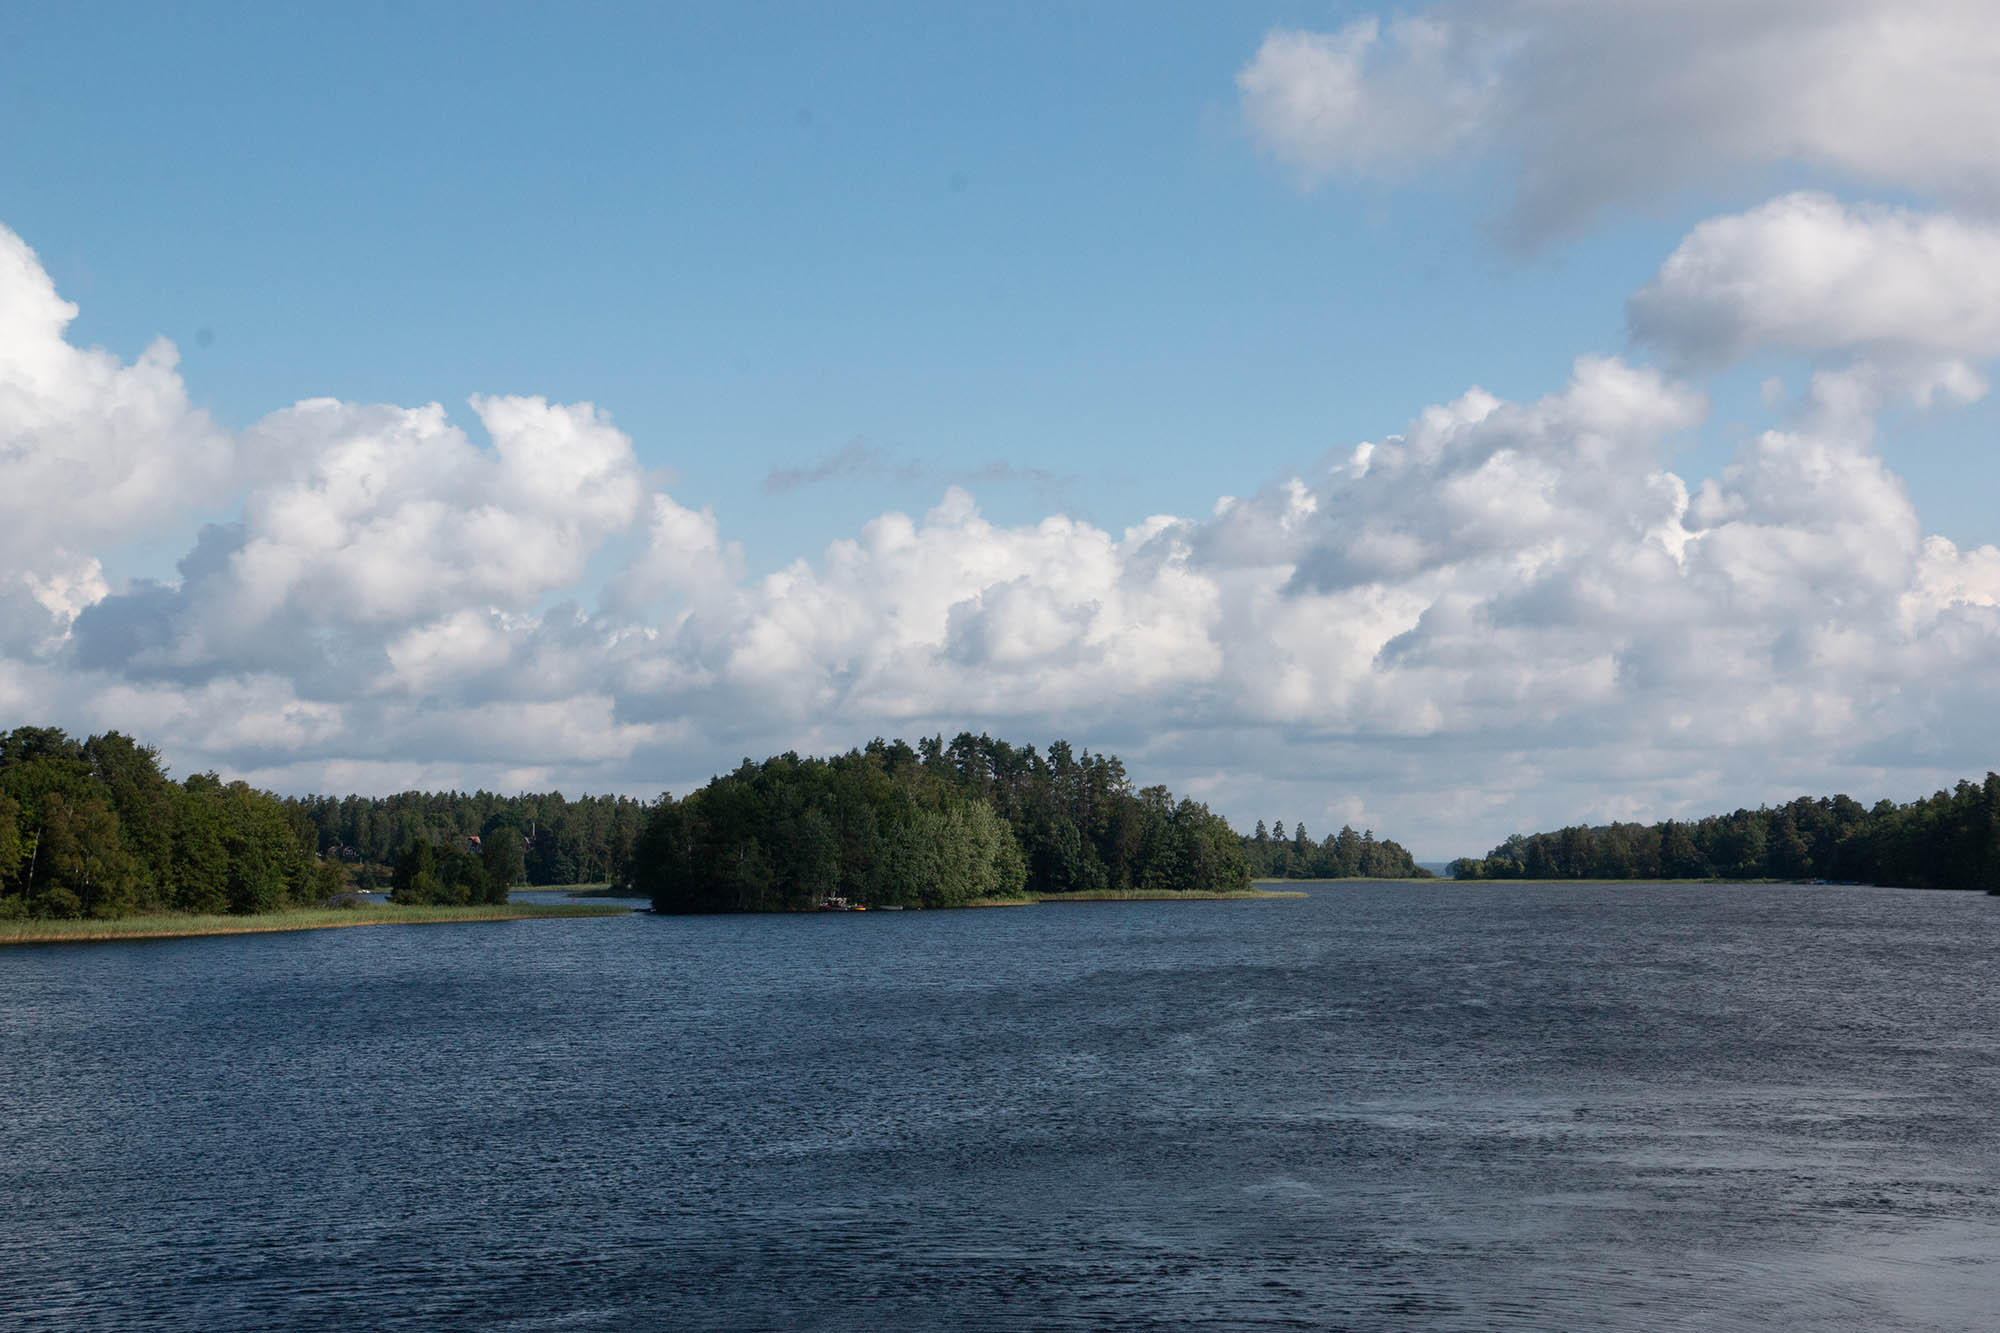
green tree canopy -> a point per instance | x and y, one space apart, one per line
97 828
934 825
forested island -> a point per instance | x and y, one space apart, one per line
1950 840
938 825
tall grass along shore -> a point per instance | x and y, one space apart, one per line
170 925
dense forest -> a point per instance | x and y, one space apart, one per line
95 828
934 826
561 841
457 876
1949 841
1342 855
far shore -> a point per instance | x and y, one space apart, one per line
1658 879
174 926
1650 881
1338 879
1135 896
1021 900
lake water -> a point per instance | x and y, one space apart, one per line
1387 1106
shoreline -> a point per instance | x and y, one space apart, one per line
1554 879
41 930
1357 879
29 931
1665 879
1137 896
1168 895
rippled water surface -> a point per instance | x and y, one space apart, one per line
1385 1106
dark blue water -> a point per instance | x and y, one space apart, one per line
1386 1106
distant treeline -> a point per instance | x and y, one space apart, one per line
95 828
1342 855
1949 841
561 841
934 826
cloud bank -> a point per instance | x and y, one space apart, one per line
1507 615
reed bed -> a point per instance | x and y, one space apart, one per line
172 925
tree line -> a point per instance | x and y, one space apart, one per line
562 841
936 825
1342 855
1950 840
95 828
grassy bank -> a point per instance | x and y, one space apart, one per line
298 918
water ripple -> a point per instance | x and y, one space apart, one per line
1387 1106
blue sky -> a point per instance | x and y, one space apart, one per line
820 264
1036 236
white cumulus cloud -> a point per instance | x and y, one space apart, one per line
382 539
1807 273
1595 104
1509 615
1364 98
92 451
